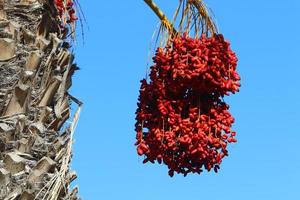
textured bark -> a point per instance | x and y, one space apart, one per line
35 74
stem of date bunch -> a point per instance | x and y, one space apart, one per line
199 5
162 17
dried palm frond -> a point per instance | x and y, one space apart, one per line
57 183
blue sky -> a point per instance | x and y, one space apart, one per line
265 162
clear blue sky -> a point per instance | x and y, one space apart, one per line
264 164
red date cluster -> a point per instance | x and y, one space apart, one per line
182 120
66 10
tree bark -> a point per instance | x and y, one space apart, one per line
36 67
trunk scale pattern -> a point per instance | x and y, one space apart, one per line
36 67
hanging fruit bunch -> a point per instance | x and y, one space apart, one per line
182 119
66 11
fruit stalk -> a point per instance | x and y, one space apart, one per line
159 13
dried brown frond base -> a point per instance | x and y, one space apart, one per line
35 74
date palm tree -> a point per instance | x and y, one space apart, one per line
36 67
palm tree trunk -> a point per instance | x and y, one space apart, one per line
35 74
